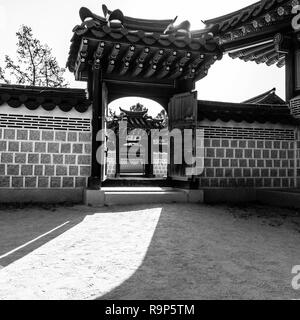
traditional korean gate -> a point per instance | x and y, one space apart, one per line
153 59
182 115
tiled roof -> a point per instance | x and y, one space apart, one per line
262 53
47 98
171 51
270 97
240 112
149 32
244 15
135 120
258 33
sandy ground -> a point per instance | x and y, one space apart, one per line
148 252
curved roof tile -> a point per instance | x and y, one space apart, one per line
247 112
47 98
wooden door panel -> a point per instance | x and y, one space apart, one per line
182 115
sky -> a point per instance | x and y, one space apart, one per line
52 22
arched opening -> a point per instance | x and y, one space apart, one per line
153 107
136 153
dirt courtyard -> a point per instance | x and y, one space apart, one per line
148 252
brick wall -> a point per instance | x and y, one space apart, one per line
111 164
54 151
249 161
59 157
297 159
160 164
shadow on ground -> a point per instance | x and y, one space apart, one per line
190 252
217 252
25 229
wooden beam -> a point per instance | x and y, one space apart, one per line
115 51
282 43
158 56
98 55
272 59
111 66
144 54
126 61
281 62
95 178
257 37
81 62
259 23
140 62
183 61
149 166
138 69
124 68
192 69
176 73
151 70
113 58
290 78
163 72
118 166
172 57
251 51
190 72
263 57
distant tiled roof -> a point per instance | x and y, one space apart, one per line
239 112
134 114
135 120
270 97
47 98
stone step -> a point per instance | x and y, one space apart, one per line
135 182
145 195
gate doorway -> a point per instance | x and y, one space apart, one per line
135 156
153 59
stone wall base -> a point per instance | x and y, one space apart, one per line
41 195
279 198
230 195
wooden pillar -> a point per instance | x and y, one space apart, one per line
149 166
94 182
118 167
290 77
293 71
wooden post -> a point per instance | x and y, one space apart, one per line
118 168
290 76
95 178
149 166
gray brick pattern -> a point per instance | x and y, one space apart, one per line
44 158
248 163
160 164
41 122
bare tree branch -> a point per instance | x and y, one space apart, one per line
35 63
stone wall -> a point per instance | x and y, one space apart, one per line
44 150
48 150
260 157
160 164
